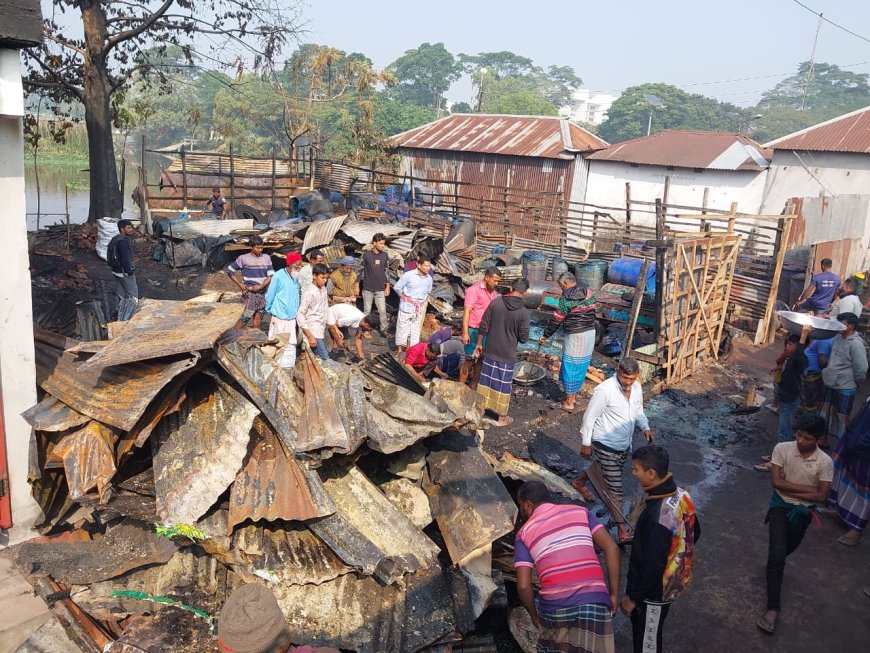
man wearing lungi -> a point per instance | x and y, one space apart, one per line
504 324
478 297
282 303
846 370
576 315
413 289
256 268
575 606
613 412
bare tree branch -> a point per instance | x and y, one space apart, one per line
147 22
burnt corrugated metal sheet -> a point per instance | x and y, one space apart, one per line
273 486
361 615
689 149
199 450
211 228
526 470
470 504
362 232
53 415
288 553
364 515
165 328
88 457
849 133
536 136
322 233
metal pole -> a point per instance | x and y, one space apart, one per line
649 124
66 205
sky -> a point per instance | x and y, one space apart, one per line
611 45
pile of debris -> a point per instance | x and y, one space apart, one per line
178 460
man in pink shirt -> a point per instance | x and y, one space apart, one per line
478 297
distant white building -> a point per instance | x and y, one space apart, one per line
588 106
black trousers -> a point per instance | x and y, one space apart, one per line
647 624
785 537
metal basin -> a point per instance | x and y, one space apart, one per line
526 373
823 329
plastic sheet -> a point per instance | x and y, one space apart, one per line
88 457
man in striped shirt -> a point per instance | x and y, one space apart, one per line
256 268
575 605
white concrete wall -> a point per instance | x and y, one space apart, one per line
829 175
17 365
606 187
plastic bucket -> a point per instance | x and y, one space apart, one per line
591 274
559 267
625 271
534 265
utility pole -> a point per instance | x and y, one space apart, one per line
812 67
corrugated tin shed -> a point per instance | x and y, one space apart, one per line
538 136
849 133
689 149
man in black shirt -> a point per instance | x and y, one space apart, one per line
375 286
119 256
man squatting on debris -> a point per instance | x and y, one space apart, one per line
608 425
575 606
660 566
119 256
413 289
341 318
256 268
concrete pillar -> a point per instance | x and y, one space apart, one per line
17 366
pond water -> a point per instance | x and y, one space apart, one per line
53 195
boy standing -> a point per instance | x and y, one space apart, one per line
660 567
314 311
119 256
375 286
801 475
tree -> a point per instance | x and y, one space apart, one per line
562 81
424 74
393 117
521 103
830 91
499 64
97 68
630 114
461 107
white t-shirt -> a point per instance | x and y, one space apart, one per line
344 315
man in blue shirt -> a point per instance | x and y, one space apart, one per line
216 204
282 303
818 296
812 386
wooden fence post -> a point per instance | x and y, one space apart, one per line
274 180
183 178
144 213
232 180
628 209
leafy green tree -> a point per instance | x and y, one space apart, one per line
393 117
424 74
831 91
499 64
629 116
461 107
522 103
561 82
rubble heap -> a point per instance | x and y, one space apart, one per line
178 460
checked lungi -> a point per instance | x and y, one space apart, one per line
836 408
254 302
611 463
495 385
576 356
578 629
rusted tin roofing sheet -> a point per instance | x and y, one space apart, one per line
88 457
535 136
288 553
689 149
53 415
272 485
470 504
369 532
362 231
165 328
322 233
362 615
199 450
848 133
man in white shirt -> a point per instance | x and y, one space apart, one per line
341 318
613 412
313 311
849 302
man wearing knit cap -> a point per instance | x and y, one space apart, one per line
343 286
252 622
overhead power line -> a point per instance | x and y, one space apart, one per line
830 22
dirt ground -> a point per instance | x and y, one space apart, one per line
712 452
